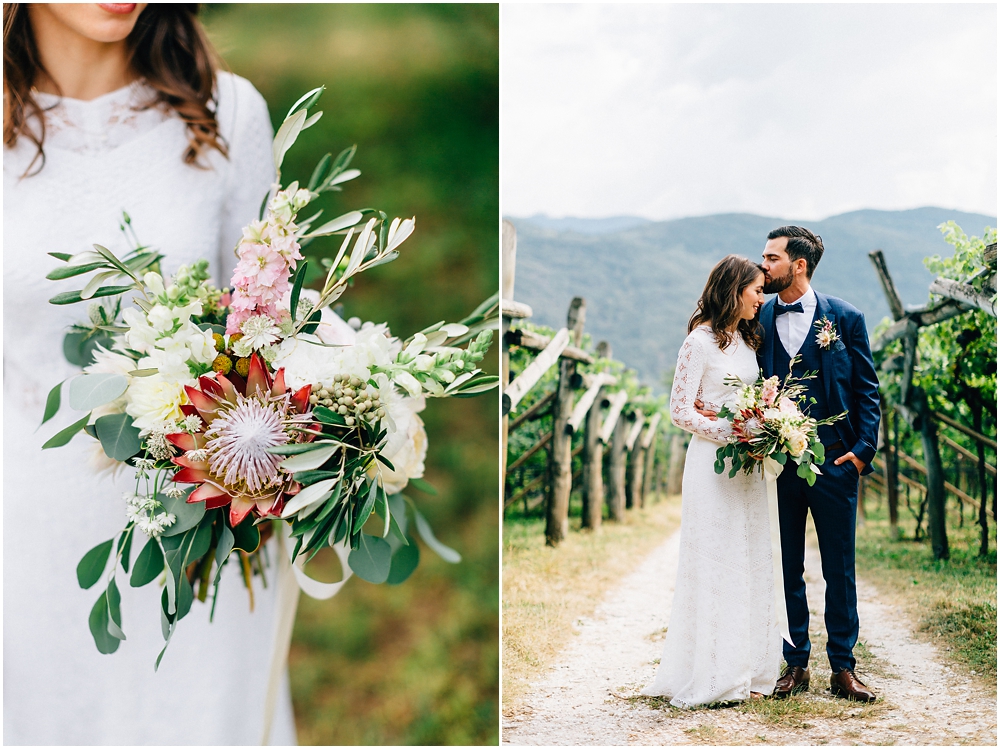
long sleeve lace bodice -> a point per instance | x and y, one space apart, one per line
701 368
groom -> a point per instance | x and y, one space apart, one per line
829 335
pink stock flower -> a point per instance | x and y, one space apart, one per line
260 264
769 390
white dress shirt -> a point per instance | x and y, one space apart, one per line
793 327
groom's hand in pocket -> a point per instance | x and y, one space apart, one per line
699 406
851 457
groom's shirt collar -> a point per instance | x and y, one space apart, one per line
793 328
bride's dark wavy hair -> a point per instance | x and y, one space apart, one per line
167 47
719 305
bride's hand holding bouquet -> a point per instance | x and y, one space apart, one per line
768 423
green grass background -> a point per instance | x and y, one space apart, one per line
416 88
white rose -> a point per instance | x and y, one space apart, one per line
797 443
406 447
155 400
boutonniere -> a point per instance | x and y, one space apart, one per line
826 334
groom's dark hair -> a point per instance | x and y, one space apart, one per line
802 243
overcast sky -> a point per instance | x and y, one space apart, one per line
795 111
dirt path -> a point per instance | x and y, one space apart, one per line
591 695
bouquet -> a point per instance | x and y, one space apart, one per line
242 408
768 423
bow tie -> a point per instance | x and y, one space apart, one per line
782 309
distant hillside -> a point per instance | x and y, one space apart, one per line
589 225
641 282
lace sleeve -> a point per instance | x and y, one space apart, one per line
687 385
246 125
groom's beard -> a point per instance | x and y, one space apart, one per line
774 285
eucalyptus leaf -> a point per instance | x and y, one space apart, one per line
405 560
125 547
424 529
99 619
52 402
423 486
372 560
188 514
185 597
88 391
91 567
118 436
148 565
200 543
63 437
224 546
114 599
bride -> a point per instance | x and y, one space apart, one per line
723 641
110 107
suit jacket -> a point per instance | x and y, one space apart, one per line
847 373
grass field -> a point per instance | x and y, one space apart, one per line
954 602
415 87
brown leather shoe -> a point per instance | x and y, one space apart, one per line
845 684
793 680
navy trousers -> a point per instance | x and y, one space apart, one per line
833 502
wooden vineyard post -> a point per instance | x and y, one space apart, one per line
616 470
635 465
613 431
676 471
935 475
509 310
593 454
649 446
891 463
561 465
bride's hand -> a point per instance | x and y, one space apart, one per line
699 406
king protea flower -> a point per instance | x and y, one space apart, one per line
228 456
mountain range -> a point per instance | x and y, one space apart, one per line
641 278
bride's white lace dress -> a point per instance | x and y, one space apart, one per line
102 156
722 641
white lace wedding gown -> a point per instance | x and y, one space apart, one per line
723 640
103 157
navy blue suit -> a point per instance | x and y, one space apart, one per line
847 382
